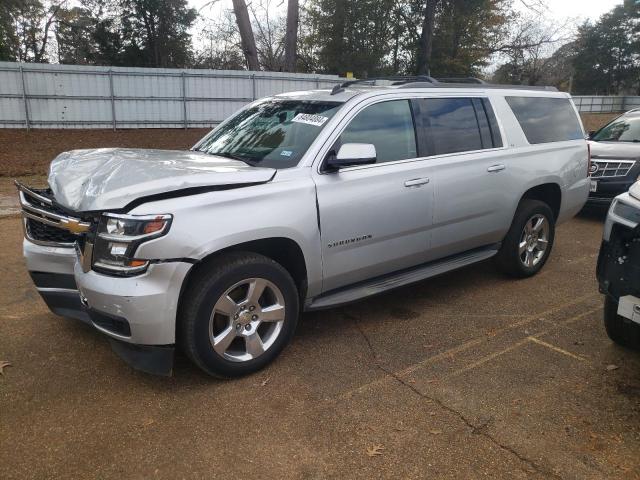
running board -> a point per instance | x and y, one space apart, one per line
395 280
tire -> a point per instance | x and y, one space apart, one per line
226 285
619 329
510 258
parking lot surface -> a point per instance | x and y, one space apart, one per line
468 375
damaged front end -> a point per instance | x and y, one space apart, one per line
618 269
59 241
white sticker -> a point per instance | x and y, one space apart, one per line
286 153
309 119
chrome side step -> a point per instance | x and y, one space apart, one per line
388 282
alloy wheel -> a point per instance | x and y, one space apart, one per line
534 240
247 319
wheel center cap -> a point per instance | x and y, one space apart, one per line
244 318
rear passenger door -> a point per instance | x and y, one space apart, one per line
470 173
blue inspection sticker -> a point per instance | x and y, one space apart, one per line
286 153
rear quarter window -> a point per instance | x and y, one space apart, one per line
545 120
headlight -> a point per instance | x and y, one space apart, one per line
118 238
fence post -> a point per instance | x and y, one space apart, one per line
113 100
184 99
25 100
253 86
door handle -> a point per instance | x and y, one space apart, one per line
496 168
416 182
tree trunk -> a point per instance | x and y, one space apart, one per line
246 34
291 37
426 38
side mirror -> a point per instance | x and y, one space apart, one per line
352 154
591 134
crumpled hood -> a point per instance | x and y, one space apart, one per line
617 150
111 178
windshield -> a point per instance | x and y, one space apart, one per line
620 130
274 133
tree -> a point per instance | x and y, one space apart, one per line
291 37
157 32
607 62
246 34
425 47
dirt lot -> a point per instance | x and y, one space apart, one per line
29 153
469 375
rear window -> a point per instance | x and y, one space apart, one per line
545 120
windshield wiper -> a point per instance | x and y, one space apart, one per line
232 156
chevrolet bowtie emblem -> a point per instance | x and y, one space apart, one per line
75 226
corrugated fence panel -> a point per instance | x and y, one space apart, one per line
73 96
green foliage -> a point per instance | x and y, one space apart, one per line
607 62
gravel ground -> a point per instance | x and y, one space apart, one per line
468 375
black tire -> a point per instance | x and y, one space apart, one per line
619 329
207 286
508 258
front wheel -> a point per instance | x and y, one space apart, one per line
238 314
619 329
527 245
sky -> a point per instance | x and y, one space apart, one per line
557 9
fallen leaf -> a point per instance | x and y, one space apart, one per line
375 450
4 364
435 431
612 367
148 421
265 381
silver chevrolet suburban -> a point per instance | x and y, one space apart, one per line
301 201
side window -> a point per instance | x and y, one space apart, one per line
451 125
388 126
545 119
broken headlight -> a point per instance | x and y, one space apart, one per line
118 238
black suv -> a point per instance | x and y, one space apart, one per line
615 155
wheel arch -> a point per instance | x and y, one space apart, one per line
549 193
283 250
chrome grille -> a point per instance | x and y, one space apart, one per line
611 168
46 224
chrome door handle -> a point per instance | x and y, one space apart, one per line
496 168
416 182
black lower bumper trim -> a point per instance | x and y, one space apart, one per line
153 359
66 304
53 280
111 323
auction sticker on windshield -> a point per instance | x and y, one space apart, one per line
309 119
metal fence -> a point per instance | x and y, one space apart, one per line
69 96
613 104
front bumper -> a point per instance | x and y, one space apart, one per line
137 314
147 303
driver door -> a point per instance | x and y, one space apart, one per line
375 219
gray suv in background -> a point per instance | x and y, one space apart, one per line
615 151
301 201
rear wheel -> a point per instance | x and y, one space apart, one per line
527 245
238 315
619 329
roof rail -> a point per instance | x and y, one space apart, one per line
461 80
396 80
425 81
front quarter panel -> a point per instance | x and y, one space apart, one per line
209 222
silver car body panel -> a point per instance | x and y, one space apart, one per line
351 226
